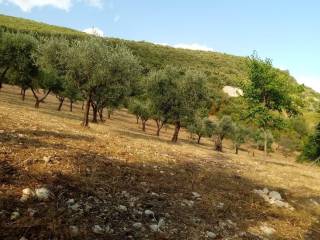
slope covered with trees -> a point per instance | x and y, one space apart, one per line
221 69
168 85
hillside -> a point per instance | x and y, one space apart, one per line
25 25
221 69
113 181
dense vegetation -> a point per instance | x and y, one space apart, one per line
168 85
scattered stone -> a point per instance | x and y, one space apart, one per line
196 195
97 229
149 213
188 203
15 215
268 231
161 222
220 205
122 208
108 229
1 131
154 194
42 193
211 234
74 230
275 195
137 225
71 201
23 238
154 227
27 193
74 207
273 198
47 159
126 194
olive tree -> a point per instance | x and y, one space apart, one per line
222 129
201 126
261 139
50 58
16 51
269 93
176 95
91 65
141 108
239 136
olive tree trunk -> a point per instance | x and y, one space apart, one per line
3 74
218 143
71 105
61 100
94 113
85 121
176 131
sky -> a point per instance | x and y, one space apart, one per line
287 31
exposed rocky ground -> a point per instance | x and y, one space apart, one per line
112 181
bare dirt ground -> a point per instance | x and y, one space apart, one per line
104 178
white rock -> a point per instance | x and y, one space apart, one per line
97 229
149 213
47 159
232 91
265 190
188 203
74 230
23 238
122 208
24 198
279 203
154 227
126 194
108 229
74 207
27 193
275 195
196 195
137 225
14 215
1 131
220 205
211 234
267 230
154 194
71 201
161 223
42 193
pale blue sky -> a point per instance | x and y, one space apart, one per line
287 31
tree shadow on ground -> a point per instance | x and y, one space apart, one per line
21 142
55 134
136 134
100 184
